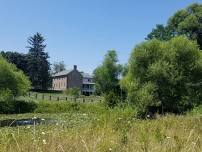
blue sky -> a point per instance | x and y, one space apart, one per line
81 31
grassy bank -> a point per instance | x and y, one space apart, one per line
91 127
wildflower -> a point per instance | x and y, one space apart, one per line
43 133
110 149
119 118
43 119
44 141
28 127
34 117
193 143
84 114
168 137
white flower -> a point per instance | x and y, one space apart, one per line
43 133
44 141
42 119
168 137
110 149
193 143
28 127
84 114
34 117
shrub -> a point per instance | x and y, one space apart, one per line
12 80
17 106
75 92
164 74
111 99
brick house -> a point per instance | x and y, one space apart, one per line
73 78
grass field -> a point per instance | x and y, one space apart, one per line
89 127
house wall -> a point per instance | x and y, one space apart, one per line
59 83
75 79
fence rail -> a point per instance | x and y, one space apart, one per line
56 97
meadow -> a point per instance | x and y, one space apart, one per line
90 127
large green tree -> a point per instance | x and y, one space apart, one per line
107 74
13 82
107 79
38 64
164 76
187 22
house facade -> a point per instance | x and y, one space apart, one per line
73 78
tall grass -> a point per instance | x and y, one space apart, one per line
92 127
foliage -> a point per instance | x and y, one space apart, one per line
17 106
58 67
19 59
184 22
107 74
38 64
13 82
111 99
165 76
107 78
75 92
160 32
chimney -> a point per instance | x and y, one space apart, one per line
75 67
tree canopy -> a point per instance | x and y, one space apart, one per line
58 67
13 82
165 75
19 59
107 74
186 22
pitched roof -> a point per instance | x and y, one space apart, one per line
65 72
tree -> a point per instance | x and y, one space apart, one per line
184 22
164 76
13 82
58 67
161 32
107 79
107 75
19 59
38 64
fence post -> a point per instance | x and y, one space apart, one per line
36 95
66 98
42 96
50 98
83 100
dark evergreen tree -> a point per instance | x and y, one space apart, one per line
38 64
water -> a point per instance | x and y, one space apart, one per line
25 122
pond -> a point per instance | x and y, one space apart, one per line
25 122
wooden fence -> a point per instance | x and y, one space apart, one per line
56 97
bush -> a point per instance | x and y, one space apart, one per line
164 76
18 106
12 80
111 99
75 92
